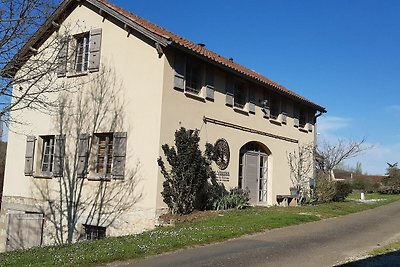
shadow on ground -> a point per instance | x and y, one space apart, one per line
388 259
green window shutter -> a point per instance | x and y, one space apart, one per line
179 67
29 155
119 155
209 83
62 57
95 48
59 153
83 154
230 89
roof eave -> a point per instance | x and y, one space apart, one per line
48 28
126 21
242 75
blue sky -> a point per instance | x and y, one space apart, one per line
343 55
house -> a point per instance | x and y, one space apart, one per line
166 82
349 176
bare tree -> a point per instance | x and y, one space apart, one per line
301 169
96 108
28 64
329 156
324 157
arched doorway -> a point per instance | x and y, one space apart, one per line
253 171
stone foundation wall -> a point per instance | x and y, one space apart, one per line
135 221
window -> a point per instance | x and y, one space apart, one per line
47 160
104 153
193 76
275 107
302 118
105 158
79 54
93 232
240 95
82 52
50 153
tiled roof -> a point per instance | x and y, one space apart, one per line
202 51
347 175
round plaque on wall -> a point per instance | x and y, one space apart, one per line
223 154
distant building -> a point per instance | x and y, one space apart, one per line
349 176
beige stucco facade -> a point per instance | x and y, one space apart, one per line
153 111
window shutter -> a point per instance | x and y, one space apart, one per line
310 120
83 153
119 155
283 118
179 67
71 55
29 155
230 89
296 116
59 153
266 107
95 48
62 57
252 100
209 83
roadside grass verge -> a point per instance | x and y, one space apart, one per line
219 226
387 255
392 247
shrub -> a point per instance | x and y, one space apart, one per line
389 190
186 182
342 190
365 185
213 193
325 188
328 190
236 199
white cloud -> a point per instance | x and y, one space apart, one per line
330 124
374 160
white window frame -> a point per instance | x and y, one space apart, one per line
82 52
47 142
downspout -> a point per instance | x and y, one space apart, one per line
315 144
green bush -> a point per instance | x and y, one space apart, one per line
342 190
188 174
328 190
214 192
365 185
325 188
236 199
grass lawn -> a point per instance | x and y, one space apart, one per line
218 226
